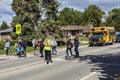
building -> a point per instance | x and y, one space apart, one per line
72 31
5 34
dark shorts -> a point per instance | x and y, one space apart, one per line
34 47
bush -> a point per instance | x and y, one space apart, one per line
2 44
60 43
12 43
29 43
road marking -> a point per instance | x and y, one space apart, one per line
86 77
59 59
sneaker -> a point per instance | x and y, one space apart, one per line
67 56
47 62
41 56
25 55
50 63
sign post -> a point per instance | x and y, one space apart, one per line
18 29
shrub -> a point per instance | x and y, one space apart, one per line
2 44
12 43
60 43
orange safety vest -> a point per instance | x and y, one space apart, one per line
47 45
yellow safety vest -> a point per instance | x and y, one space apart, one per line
47 45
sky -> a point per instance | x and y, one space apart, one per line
6 13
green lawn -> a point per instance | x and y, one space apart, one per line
12 50
84 39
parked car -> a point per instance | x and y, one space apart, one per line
117 37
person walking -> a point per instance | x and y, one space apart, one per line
47 48
16 46
54 51
24 44
20 51
69 47
7 45
34 43
20 48
41 45
76 44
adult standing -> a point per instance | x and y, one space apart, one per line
54 51
76 44
34 43
7 45
20 48
41 45
47 48
69 47
24 44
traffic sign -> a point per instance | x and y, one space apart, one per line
18 28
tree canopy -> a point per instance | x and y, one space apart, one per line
4 26
27 14
69 16
37 16
114 18
50 21
93 14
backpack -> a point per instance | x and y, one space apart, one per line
34 42
70 45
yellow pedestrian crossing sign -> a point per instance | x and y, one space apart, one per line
18 28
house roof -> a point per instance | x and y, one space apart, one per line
86 29
7 30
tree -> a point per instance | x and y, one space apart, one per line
27 14
93 14
69 16
50 21
4 26
114 19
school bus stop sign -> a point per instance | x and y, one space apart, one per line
18 28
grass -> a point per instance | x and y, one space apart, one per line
84 39
12 50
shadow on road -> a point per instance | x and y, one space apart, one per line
108 65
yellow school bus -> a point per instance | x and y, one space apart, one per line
102 36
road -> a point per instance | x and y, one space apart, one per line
95 63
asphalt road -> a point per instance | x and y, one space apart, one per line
95 63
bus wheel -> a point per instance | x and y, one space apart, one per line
103 44
90 45
112 43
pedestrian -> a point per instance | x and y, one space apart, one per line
76 44
41 45
7 45
24 44
16 46
54 51
69 47
20 49
47 48
34 43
